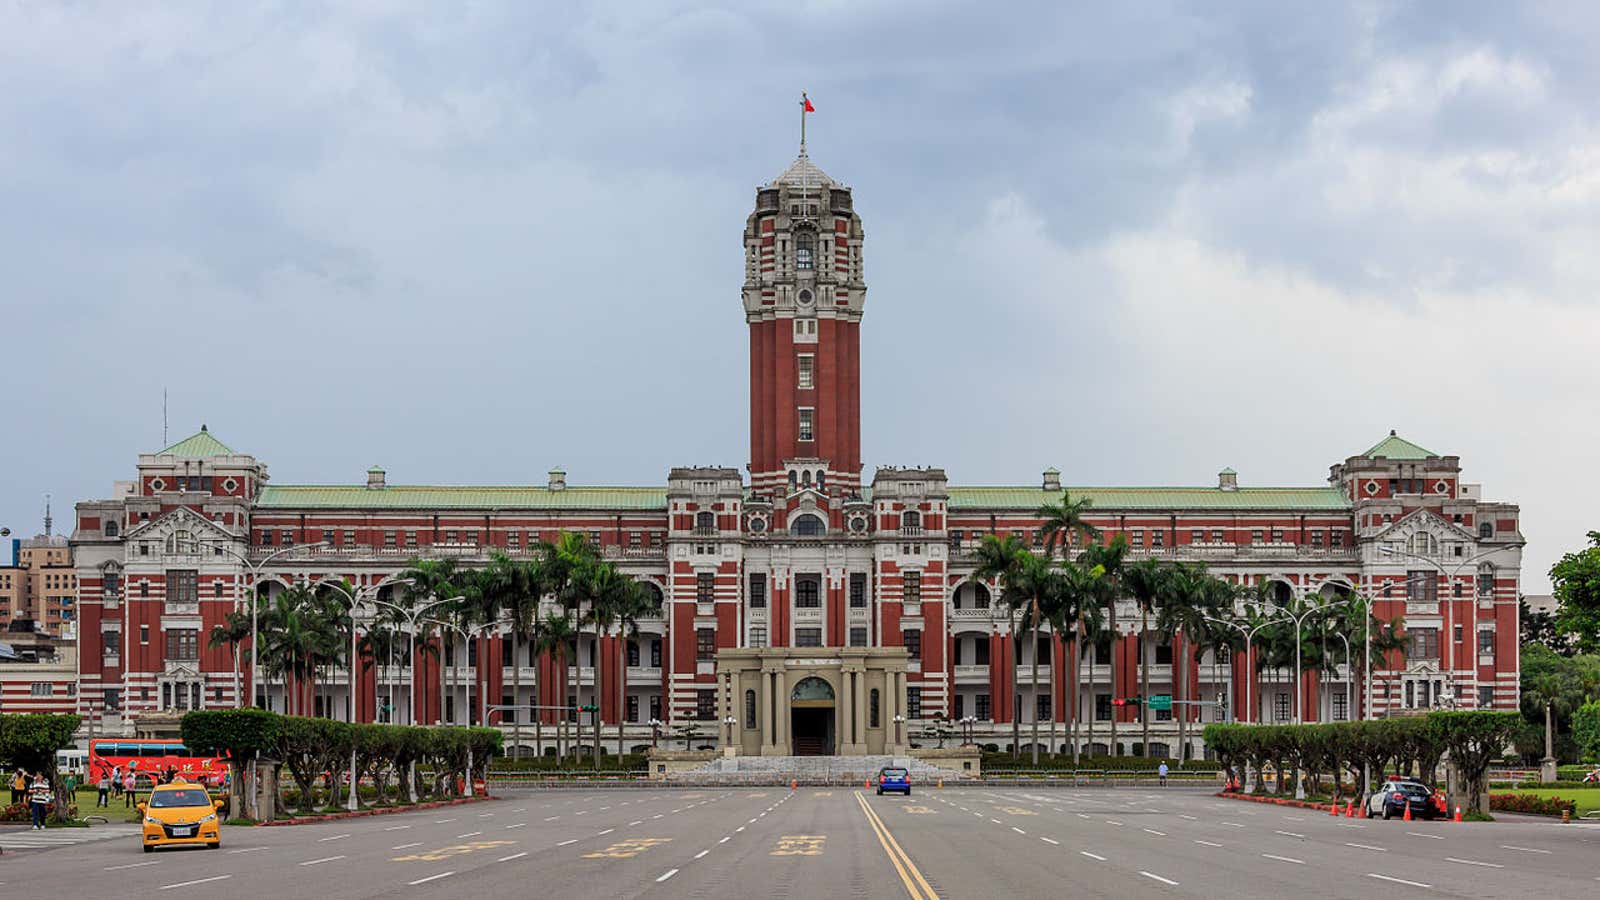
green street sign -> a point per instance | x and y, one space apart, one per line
1161 701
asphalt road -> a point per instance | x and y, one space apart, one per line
837 843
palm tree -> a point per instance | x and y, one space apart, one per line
606 591
234 630
1216 637
522 609
1109 561
1147 582
560 563
1073 600
1034 581
289 640
431 580
1182 620
998 559
638 602
1063 520
552 635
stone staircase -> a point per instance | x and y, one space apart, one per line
837 770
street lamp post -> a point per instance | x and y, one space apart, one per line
898 721
729 721
468 633
255 570
1249 661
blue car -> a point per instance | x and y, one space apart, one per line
893 778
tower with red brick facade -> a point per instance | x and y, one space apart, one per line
803 297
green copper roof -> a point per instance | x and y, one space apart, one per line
1395 447
1151 498
198 446
316 496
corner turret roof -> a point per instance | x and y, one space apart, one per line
199 445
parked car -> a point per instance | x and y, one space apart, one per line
894 778
1392 799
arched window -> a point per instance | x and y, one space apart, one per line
805 479
911 519
1486 529
1282 593
794 480
872 709
705 521
749 709
805 247
821 479
807 526
980 597
111 528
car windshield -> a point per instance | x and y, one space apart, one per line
184 797
1413 790
894 773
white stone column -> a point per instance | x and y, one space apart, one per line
780 728
845 718
764 713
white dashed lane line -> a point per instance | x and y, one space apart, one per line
665 875
332 837
1206 843
1287 859
701 854
397 828
1166 881
1050 841
168 887
1399 880
406 846
429 878
1474 862
1367 847
1092 855
318 862
1289 834
1523 849
512 856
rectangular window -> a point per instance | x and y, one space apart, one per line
911 587
1424 643
758 635
1486 642
803 380
1486 584
349 537
912 639
450 537
633 540
858 636
327 536
1280 706
913 702
509 714
633 707
42 689
506 659
144 634
705 704
1042 708
1163 715
216 589
1136 537
805 424
1163 654
113 699
705 644
1340 713
266 539
858 590
980 652
1335 538
183 644
1485 696
1277 535
388 540
808 637
655 706
758 591
1157 537
980 707
411 539
1102 707
705 587
183 586
1197 536
1216 535
807 592
1256 535
655 654
1421 586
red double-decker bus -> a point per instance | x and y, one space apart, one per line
150 760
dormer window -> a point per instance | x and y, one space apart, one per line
1485 529
794 481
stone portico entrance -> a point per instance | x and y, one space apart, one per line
814 701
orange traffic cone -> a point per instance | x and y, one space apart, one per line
1333 810
1458 813
1408 812
793 783
1350 809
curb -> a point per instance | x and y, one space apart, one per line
363 813
1279 801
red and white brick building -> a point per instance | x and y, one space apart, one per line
799 552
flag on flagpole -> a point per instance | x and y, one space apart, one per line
807 101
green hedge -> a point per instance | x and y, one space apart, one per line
631 762
1004 762
1473 739
1527 803
312 749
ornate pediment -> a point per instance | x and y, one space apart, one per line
1425 521
181 532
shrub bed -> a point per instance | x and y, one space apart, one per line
1530 804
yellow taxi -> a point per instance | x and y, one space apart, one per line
180 814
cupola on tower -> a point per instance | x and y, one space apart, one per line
803 296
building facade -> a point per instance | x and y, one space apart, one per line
41 589
798 585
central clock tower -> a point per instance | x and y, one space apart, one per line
803 296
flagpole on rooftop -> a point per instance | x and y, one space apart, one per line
803 104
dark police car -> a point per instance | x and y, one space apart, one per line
1391 800
894 778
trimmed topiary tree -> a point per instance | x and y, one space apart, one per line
30 740
237 734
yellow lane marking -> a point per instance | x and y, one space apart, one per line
918 810
822 794
453 850
800 845
627 849
1016 811
916 886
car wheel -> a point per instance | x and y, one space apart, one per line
908 792
148 848
880 792
1386 812
214 846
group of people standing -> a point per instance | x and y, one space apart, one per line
36 791
115 781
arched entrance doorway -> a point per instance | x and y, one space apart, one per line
811 717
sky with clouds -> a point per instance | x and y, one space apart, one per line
472 241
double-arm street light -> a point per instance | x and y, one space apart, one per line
411 615
255 569
1249 632
1448 661
469 633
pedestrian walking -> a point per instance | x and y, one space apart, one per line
39 800
1162 771
116 780
103 787
128 785
19 786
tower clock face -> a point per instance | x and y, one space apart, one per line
858 524
758 524
804 298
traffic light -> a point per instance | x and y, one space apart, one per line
1127 701
589 707
1118 701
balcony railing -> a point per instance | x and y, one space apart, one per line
181 608
911 531
438 551
972 615
966 551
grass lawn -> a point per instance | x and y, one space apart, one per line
114 813
1587 798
